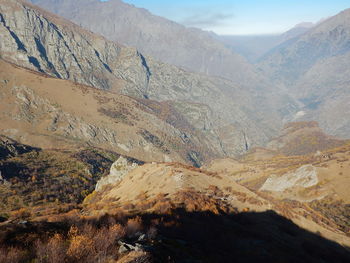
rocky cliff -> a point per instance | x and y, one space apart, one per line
165 40
50 113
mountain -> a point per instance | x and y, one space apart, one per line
232 117
314 69
164 40
50 113
298 30
96 147
253 47
299 138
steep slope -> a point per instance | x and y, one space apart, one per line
41 41
189 48
314 67
50 113
164 40
49 180
293 59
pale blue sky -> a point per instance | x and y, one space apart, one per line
243 17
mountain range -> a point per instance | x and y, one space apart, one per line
313 68
126 137
190 48
46 43
253 47
295 68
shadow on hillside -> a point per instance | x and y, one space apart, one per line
243 237
206 237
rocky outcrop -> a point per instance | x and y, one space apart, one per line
11 148
119 169
305 176
51 113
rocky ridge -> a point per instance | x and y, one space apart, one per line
165 40
48 113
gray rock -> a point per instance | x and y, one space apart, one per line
125 247
118 170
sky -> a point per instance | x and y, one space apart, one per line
243 17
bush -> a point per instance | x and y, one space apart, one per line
12 255
52 252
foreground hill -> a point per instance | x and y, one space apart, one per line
231 117
315 68
42 181
168 212
64 204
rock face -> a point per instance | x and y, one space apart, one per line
38 40
315 69
51 113
10 148
305 176
160 38
119 169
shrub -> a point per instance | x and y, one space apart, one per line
81 247
52 252
22 213
12 255
119 231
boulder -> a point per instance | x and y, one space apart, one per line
118 170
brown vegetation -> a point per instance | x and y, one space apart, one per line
79 240
50 178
